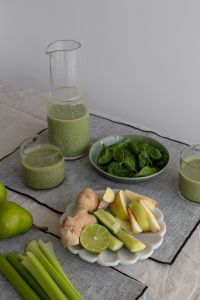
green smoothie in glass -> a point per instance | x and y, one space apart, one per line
189 178
43 166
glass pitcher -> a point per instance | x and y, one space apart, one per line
67 112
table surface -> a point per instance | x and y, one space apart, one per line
23 114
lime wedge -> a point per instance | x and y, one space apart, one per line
95 238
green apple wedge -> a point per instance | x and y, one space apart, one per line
150 203
119 206
139 213
108 220
133 223
125 225
154 226
129 241
107 199
114 244
109 195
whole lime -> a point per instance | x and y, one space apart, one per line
3 193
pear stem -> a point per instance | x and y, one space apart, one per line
42 228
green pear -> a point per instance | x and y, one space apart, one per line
14 220
3 193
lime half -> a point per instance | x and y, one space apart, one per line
3 193
95 238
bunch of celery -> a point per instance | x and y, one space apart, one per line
38 275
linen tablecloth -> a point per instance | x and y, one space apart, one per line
22 114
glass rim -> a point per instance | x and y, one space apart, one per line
23 143
195 147
58 48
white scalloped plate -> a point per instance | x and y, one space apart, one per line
122 256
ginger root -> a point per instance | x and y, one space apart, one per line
72 226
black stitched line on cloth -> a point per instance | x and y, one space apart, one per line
148 131
143 130
19 146
34 199
179 250
146 287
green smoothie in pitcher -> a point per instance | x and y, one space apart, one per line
68 117
70 123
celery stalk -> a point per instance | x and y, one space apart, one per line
54 269
41 275
16 280
12 258
48 250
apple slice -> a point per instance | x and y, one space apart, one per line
108 197
134 224
125 225
140 215
154 226
150 203
119 206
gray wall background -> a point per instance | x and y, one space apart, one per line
141 58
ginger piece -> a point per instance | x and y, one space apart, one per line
72 226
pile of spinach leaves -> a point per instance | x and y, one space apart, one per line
132 158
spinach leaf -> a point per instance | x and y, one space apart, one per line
146 171
134 147
105 156
143 159
161 162
118 153
117 169
130 161
153 152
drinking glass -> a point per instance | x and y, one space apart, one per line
42 162
189 173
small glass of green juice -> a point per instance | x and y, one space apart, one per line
189 173
42 162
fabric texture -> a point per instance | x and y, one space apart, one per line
93 281
181 216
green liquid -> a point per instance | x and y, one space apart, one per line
43 167
189 179
70 124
